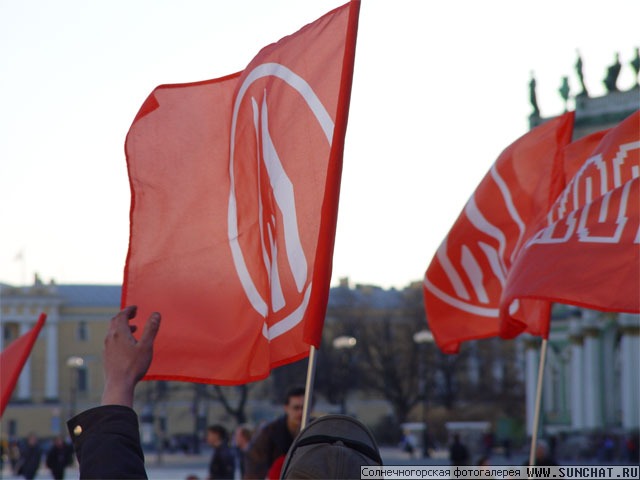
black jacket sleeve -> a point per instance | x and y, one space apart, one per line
107 443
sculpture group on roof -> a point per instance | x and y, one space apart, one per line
610 80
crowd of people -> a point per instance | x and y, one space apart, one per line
25 458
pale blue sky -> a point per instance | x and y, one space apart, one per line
440 88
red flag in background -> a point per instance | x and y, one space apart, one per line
13 358
464 282
586 251
235 186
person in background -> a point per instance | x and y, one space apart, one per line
14 455
458 453
106 439
221 465
631 448
59 457
542 456
332 446
241 439
274 439
30 458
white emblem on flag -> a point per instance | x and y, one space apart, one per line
469 267
283 193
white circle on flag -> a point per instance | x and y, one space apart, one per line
255 297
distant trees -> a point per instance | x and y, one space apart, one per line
387 363
385 359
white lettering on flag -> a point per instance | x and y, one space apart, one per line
591 182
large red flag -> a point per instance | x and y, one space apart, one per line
586 251
13 358
464 282
235 186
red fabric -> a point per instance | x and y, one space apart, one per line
13 358
464 282
235 186
275 470
586 252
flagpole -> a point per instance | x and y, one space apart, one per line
308 389
536 412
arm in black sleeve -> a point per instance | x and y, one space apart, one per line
107 443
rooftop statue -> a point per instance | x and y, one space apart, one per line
564 91
584 92
532 97
635 64
612 75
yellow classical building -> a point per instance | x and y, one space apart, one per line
63 374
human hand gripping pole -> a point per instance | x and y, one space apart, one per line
126 360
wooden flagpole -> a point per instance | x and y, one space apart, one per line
308 388
536 412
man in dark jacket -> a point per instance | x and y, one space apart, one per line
241 439
275 438
106 439
30 458
458 453
222 461
59 457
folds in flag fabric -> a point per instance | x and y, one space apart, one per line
235 185
13 358
464 282
586 251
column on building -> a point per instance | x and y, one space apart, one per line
497 364
23 392
577 385
610 377
548 383
630 375
592 379
565 389
531 345
51 378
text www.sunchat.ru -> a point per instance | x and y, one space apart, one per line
410 472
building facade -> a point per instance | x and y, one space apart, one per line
63 374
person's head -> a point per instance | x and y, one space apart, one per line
32 439
542 449
333 446
216 435
294 402
242 436
58 441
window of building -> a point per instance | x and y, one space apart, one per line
83 380
9 332
6 332
12 428
82 332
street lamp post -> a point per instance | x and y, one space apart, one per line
74 364
422 338
344 343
